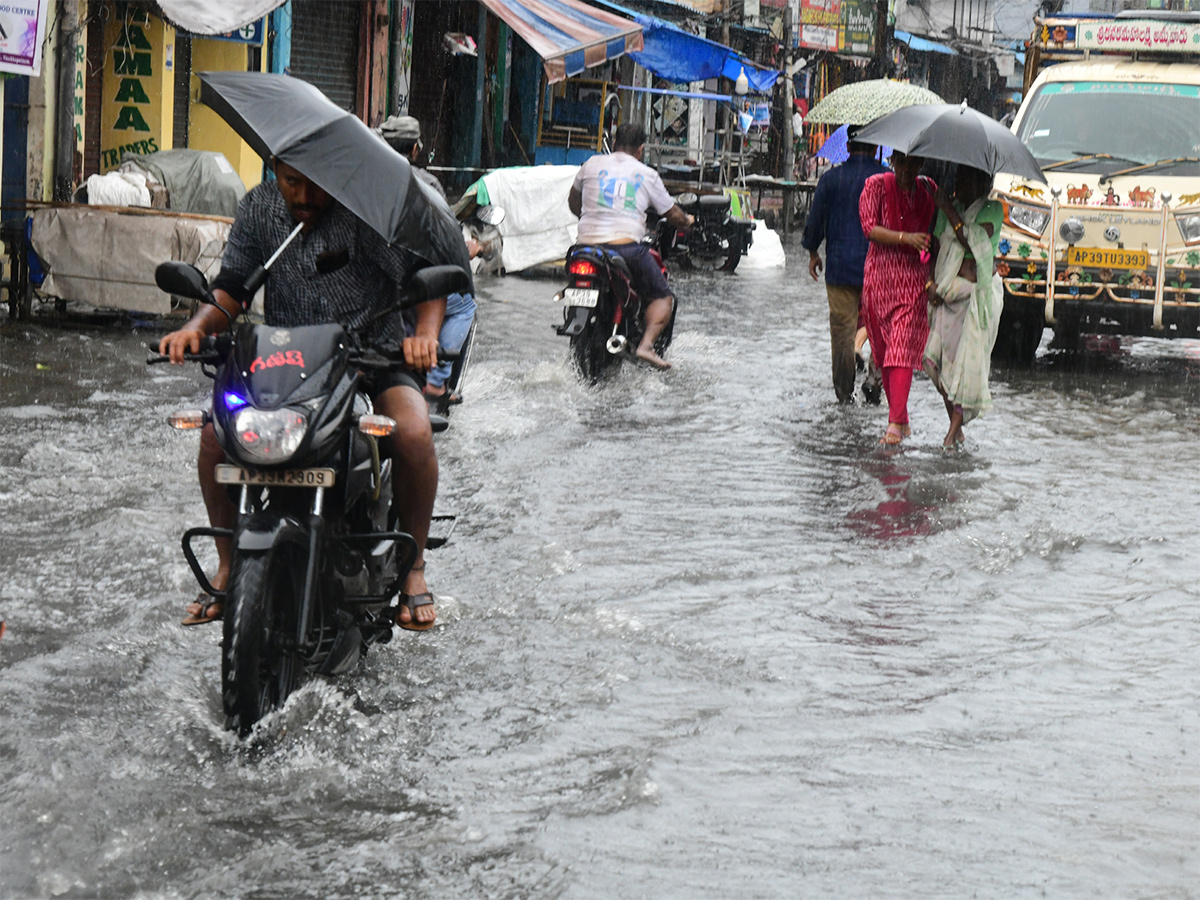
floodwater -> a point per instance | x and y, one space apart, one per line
702 637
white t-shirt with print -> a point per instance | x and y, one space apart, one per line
616 191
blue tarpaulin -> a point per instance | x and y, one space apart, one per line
680 57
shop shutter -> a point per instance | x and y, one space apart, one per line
325 47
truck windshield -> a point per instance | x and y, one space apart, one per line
1134 123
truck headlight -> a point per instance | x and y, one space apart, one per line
269 435
1030 219
1189 227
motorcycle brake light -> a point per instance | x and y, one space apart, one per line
378 426
582 267
187 419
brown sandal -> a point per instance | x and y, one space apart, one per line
210 610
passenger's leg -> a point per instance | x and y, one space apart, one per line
456 325
657 315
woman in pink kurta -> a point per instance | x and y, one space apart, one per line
897 212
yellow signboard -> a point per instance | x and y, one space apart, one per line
139 88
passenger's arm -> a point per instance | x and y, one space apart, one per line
575 201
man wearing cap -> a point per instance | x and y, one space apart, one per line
833 219
403 134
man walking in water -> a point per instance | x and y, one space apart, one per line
610 196
834 220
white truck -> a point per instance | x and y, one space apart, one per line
1111 112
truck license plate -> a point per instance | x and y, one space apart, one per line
309 478
588 297
1108 259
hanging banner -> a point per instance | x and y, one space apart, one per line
857 36
820 21
22 32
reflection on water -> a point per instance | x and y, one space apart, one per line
702 636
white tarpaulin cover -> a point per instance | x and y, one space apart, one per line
107 258
216 16
538 226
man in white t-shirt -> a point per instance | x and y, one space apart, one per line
610 195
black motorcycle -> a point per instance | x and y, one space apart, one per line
602 314
317 556
716 240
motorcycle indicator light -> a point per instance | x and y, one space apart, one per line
269 435
582 267
234 401
376 426
187 419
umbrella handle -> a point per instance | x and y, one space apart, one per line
259 275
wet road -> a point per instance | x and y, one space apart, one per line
702 638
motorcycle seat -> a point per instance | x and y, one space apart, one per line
602 256
714 201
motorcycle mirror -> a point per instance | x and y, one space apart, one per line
437 281
183 280
490 214
686 199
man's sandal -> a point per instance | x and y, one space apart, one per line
411 602
210 610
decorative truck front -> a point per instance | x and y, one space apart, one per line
1112 244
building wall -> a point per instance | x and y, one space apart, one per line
207 130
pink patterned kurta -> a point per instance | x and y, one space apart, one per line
893 295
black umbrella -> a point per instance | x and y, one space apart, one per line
291 120
954 133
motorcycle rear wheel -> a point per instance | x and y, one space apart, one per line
259 665
588 350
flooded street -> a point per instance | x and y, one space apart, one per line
701 637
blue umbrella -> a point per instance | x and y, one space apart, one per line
835 148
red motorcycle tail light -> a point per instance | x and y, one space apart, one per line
582 267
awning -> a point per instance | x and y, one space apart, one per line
682 57
568 35
924 45
215 16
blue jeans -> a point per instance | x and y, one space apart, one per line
460 313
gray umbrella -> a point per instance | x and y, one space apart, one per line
953 133
291 120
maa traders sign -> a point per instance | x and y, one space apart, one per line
22 31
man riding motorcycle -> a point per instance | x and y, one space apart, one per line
610 195
337 270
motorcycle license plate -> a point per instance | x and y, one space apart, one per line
309 478
1108 259
588 297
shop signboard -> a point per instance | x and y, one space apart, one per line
820 21
857 37
22 32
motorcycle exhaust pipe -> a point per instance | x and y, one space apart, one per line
616 344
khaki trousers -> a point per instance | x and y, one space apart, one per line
843 324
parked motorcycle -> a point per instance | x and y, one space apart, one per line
317 556
716 240
602 314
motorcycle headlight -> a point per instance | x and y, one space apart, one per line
1189 227
1029 219
269 435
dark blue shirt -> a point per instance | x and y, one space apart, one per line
833 218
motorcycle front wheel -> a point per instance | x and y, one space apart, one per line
259 664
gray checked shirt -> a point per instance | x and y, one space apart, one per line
296 292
